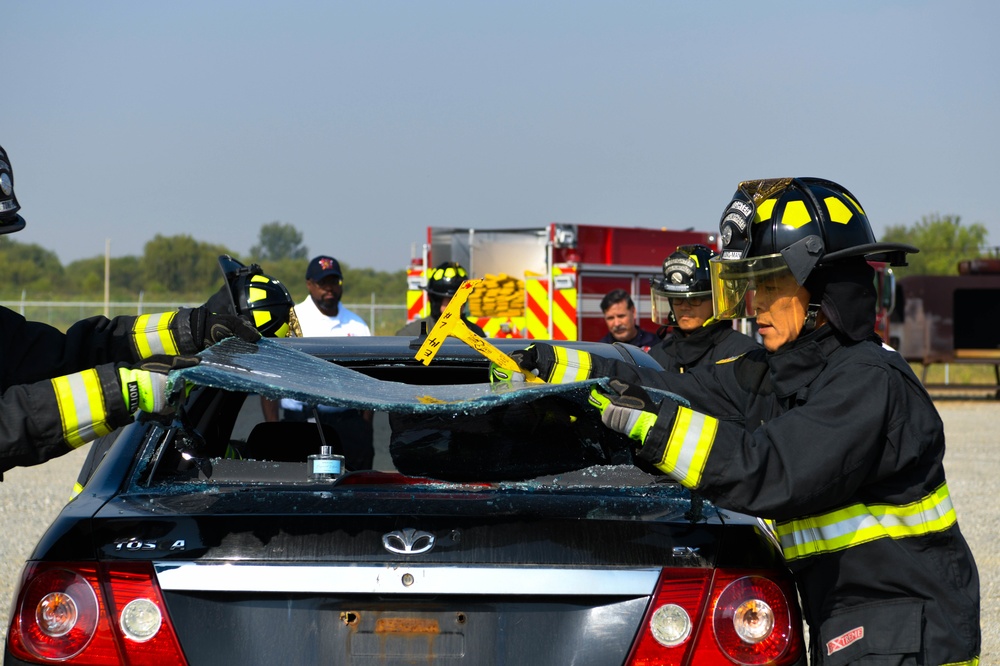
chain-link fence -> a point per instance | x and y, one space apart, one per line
383 319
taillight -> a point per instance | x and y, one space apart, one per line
58 614
81 613
719 618
140 615
672 618
752 621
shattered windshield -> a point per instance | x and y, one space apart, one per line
455 428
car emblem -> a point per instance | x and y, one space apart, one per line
408 541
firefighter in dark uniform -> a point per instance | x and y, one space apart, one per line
682 305
825 431
442 285
246 291
62 390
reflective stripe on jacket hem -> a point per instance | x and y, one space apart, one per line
152 335
81 407
860 523
688 446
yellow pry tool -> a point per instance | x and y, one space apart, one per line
452 323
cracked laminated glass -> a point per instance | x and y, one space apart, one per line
443 422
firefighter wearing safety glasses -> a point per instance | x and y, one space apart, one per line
824 431
682 305
62 390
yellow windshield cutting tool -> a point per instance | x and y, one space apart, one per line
451 323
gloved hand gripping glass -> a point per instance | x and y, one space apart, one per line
554 364
144 386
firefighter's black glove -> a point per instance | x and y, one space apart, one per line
208 328
144 386
627 409
556 365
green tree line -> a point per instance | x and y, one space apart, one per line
943 242
178 268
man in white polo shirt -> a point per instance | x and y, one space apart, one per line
321 314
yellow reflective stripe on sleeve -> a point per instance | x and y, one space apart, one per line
153 336
571 365
81 407
688 446
972 662
859 523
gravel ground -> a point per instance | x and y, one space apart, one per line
30 498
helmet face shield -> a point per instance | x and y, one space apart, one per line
735 283
663 311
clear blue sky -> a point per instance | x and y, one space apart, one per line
362 123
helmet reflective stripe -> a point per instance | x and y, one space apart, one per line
688 446
262 299
152 335
81 407
571 365
445 280
261 317
838 211
860 523
796 214
448 273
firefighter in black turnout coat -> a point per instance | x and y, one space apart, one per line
682 305
62 390
825 431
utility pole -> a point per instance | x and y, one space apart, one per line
107 278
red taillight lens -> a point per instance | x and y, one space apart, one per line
736 617
752 621
679 591
64 616
59 614
60 617
141 616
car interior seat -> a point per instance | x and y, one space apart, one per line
289 441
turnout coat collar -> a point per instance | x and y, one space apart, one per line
798 364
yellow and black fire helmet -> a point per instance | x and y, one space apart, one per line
781 226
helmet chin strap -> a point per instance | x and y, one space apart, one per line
812 315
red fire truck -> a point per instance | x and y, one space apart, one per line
546 283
